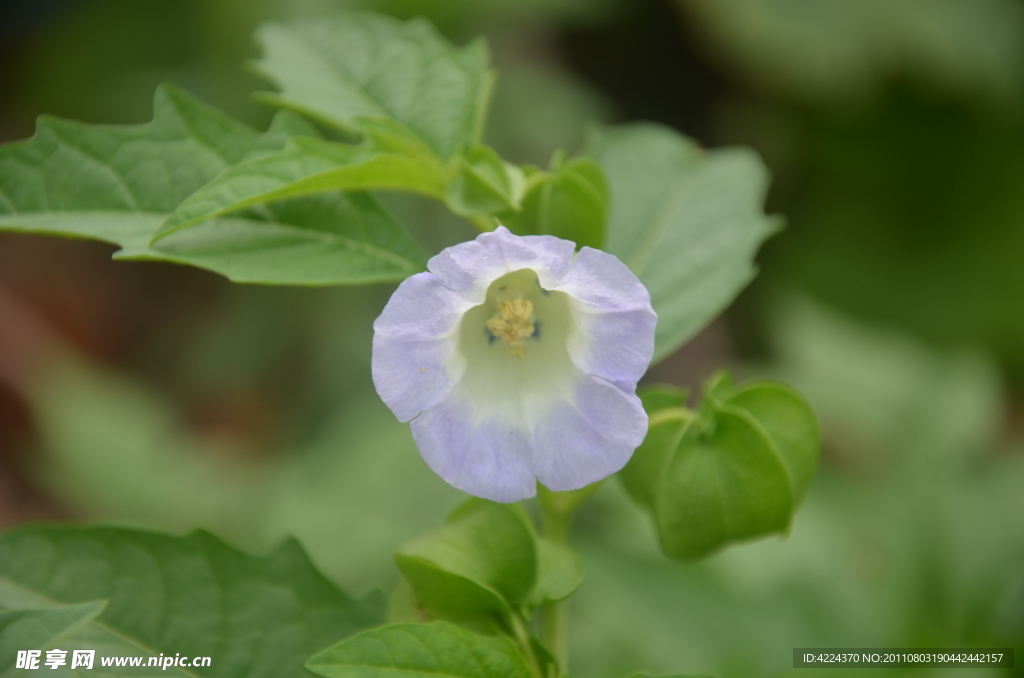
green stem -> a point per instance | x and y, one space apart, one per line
554 632
523 638
557 510
557 524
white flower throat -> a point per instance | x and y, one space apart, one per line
515 343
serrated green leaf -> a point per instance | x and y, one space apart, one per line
686 221
569 202
40 629
119 183
421 651
485 184
192 595
310 165
326 239
560 571
346 68
478 568
140 172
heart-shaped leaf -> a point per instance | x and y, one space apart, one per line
560 571
688 222
478 568
120 183
308 165
353 66
421 651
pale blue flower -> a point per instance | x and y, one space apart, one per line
517 359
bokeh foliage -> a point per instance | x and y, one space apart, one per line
893 130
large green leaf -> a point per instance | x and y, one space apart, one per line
40 629
421 651
116 183
479 568
735 471
345 68
388 159
119 183
686 221
194 595
326 239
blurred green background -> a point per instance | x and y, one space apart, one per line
153 395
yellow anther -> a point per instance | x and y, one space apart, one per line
512 324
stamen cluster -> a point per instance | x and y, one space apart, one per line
512 324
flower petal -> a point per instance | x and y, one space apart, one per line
593 436
615 321
487 458
414 363
468 268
